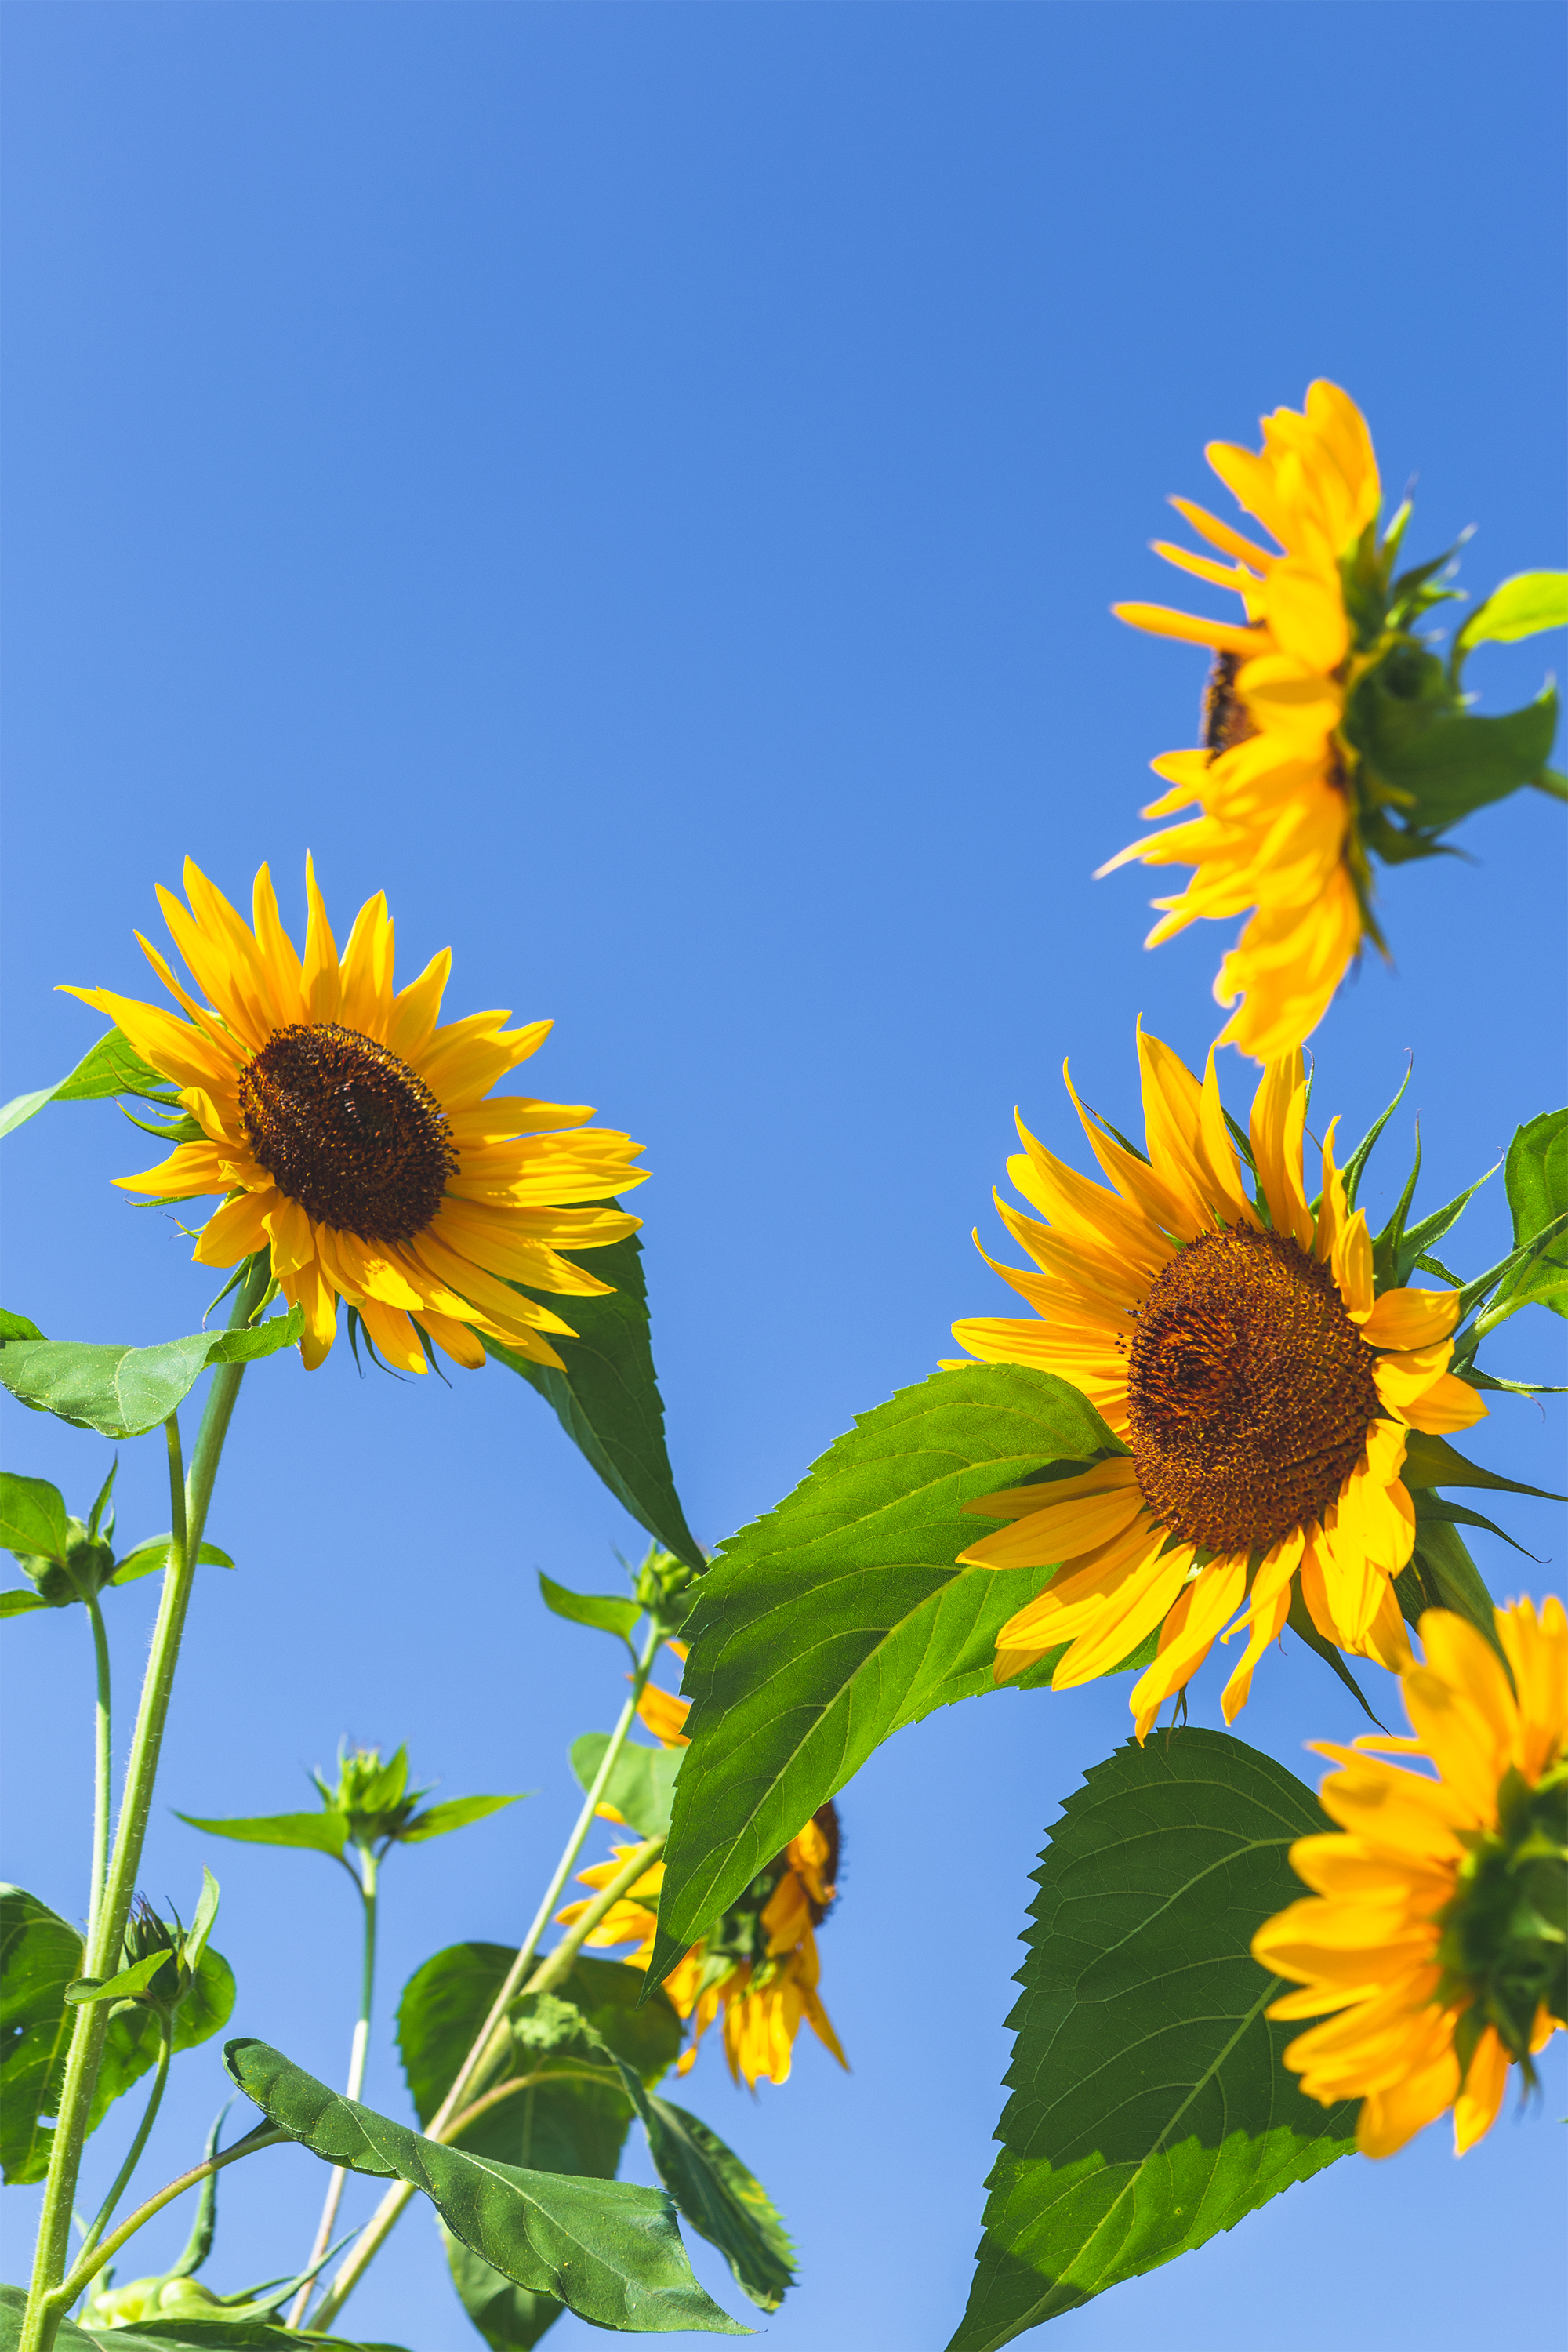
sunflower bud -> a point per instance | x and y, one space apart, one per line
145 1934
662 1585
82 1573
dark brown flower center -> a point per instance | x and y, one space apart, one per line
1226 718
1249 1391
346 1127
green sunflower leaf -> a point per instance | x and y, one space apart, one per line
109 1067
454 1814
607 1398
641 1786
32 1517
1536 1175
721 2199
1443 766
323 1833
608 2250
607 1613
197 2335
1520 607
125 1391
1150 2106
830 1622
40 1955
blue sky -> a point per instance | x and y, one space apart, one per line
644 484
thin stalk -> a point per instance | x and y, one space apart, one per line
133 2155
484 2055
357 2051
88 2267
103 1751
189 1497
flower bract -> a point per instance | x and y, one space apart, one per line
1234 1343
354 1135
1437 1932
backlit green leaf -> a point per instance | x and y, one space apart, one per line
608 1613
1536 1175
607 1398
828 1624
125 1391
151 1559
33 1517
1150 2107
720 2199
608 2250
197 2335
109 1067
455 1814
19 1604
641 1786
1529 602
323 1833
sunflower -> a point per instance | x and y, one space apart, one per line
1264 1392
1276 832
1437 1927
354 1137
757 1967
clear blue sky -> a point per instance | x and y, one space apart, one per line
645 484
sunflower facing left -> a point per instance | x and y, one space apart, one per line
354 1135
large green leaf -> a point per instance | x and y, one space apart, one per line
125 1391
200 2335
40 1955
1449 765
1150 2107
607 2249
824 1627
109 1067
1536 1175
607 1398
719 2196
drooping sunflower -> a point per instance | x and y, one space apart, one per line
1238 1347
757 1967
1439 1931
1276 832
354 1135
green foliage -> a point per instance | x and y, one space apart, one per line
1426 760
1536 1175
510 2318
199 2335
641 1786
125 1391
1150 2107
1433 1462
721 2199
608 1613
1529 602
150 1558
371 1805
33 1517
41 1955
606 2248
839 1617
109 1067
607 1398
454 1814
325 1832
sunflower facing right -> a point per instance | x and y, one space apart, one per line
1264 1380
1331 729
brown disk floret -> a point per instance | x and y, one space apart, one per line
1249 1392
346 1127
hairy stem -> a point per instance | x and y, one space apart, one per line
490 2042
103 1752
189 1497
88 2267
133 2155
357 2051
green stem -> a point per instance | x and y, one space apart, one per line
87 2267
490 2042
102 1764
189 1498
358 2049
133 2155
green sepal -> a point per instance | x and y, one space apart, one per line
1150 2107
1433 1462
1446 1569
